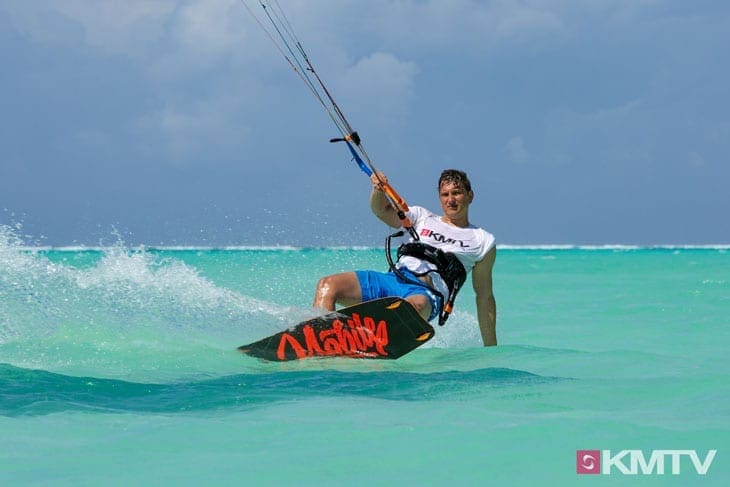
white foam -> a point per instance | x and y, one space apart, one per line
125 288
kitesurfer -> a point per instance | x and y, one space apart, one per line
429 272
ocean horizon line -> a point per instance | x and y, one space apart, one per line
294 248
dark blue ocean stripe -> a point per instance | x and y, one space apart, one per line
38 392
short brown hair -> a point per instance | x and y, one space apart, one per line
459 178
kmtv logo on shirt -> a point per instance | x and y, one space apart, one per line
633 462
441 238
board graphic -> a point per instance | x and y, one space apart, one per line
385 328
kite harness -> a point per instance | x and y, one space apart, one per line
447 266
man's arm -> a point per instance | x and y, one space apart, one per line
380 206
481 277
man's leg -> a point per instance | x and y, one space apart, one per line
338 288
345 289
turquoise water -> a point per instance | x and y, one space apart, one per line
118 365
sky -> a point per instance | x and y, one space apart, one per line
179 123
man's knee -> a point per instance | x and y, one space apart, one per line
342 288
326 286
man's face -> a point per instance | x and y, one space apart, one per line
454 200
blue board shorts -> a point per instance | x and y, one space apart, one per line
374 285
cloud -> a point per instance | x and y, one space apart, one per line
107 25
381 85
209 33
184 48
525 23
147 31
696 159
516 151
206 131
216 28
207 26
193 59
473 26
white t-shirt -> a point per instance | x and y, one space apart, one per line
469 244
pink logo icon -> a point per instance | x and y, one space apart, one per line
588 461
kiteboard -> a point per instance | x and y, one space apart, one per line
385 328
